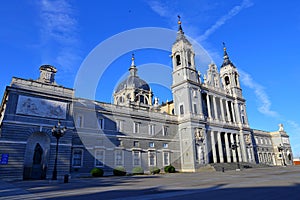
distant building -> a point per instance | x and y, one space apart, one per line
296 161
206 122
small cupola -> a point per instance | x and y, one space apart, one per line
47 74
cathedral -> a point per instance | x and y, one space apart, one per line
205 124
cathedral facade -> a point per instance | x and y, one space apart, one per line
205 123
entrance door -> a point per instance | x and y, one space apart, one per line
36 171
36 156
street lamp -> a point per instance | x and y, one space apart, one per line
57 132
281 150
234 147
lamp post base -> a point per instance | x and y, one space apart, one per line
54 175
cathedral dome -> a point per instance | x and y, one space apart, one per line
133 82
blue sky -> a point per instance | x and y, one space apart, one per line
262 39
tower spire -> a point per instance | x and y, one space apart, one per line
132 60
179 24
226 60
224 48
133 68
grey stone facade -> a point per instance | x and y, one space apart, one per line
205 123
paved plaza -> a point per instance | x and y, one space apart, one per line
263 183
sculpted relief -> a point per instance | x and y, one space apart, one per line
41 107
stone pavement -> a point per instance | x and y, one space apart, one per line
263 183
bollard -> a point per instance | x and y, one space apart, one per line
66 178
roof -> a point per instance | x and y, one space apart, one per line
133 82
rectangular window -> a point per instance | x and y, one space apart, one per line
181 110
101 123
77 158
165 145
165 130
151 144
136 127
99 158
152 158
136 144
119 158
195 93
79 121
243 119
151 129
119 125
166 158
136 158
195 108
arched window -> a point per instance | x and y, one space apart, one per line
236 78
121 99
142 99
189 58
290 157
227 82
178 61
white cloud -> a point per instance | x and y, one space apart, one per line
294 125
159 8
59 32
233 12
58 21
265 103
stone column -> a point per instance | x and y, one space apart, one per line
238 148
220 147
215 108
189 92
243 146
222 110
227 147
233 112
213 146
252 154
238 113
208 106
245 114
227 109
233 151
200 104
205 146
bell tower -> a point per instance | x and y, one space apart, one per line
187 98
230 76
183 59
186 83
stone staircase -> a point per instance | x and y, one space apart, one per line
230 166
